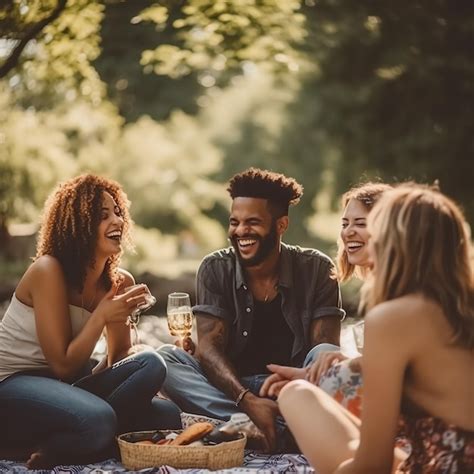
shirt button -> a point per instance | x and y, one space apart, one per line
245 333
248 310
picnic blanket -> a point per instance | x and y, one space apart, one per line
253 463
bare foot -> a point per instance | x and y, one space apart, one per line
38 460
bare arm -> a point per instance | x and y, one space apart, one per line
212 335
384 364
45 283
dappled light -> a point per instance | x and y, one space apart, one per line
172 99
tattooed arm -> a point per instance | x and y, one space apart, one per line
212 336
325 329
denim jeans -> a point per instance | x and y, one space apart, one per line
187 384
78 423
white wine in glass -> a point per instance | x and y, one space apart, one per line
180 315
358 331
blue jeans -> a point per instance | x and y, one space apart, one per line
188 386
78 423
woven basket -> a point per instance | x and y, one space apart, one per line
139 456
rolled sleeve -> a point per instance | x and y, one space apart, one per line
329 311
327 298
210 291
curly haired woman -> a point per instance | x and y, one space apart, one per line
53 409
418 353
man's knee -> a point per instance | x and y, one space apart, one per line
174 355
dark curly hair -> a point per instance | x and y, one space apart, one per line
70 221
279 190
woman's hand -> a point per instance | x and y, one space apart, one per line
280 377
322 364
114 308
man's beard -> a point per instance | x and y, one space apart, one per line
265 245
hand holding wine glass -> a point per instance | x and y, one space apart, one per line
180 316
134 317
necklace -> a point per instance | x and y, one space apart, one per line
91 304
270 289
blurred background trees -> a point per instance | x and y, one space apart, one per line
171 98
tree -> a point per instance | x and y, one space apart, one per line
395 88
386 88
22 26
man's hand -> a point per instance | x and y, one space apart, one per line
280 377
187 344
263 413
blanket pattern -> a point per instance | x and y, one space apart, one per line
253 463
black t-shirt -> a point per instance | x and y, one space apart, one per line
269 341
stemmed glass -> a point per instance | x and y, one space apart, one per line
358 332
180 315
134 317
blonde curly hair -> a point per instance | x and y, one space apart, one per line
70 220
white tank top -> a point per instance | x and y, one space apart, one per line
19 345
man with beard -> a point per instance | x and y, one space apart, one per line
258 302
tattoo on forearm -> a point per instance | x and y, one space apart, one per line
212 334
327 329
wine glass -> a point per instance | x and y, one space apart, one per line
358 332
150 300
180 315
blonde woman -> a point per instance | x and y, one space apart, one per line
418 354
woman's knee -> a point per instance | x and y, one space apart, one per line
298 393
154 364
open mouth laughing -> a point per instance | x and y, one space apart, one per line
115 235
354 246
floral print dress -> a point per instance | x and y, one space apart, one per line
343 381
434 447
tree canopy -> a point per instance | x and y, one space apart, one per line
172 98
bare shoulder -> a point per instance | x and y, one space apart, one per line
403 307
43 268
46 264
45 273
401 317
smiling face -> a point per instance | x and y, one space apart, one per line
109 234
354 233
253 231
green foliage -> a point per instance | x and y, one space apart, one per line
33 157
173 98
219 36
395 89
56 65
385 88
